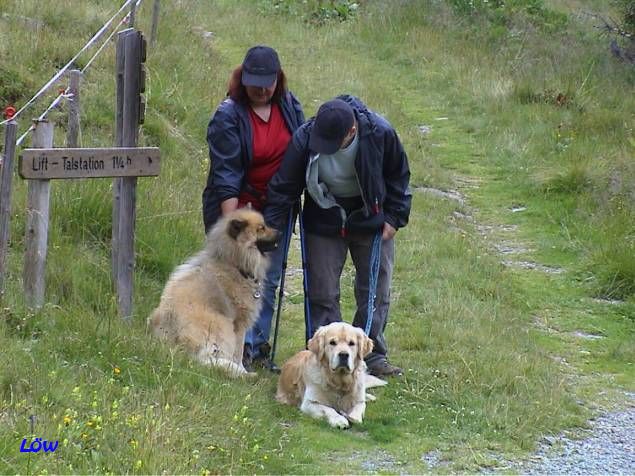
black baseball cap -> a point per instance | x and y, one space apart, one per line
260 67
331 124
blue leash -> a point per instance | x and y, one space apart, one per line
375 260
305 279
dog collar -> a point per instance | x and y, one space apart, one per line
251 277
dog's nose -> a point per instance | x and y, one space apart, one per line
270 243
343 356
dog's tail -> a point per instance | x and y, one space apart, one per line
372 381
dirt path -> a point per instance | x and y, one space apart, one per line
608 445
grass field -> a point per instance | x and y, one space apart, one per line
519 110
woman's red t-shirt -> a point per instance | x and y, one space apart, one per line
270 140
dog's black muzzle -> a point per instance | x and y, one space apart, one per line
265 245
342 360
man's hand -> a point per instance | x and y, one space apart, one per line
388 232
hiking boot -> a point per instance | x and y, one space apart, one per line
383 368
264 362
247 361
261 361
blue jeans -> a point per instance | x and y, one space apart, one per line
259 333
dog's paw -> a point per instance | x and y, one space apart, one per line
370 397
356 415
372 381
355 419
338 421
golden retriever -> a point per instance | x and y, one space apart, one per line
329 380
210 301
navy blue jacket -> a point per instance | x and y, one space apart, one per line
382 171
229 138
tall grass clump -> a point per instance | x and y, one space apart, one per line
613 260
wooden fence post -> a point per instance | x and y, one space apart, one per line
72 135
5 196
37 222
116 183
127 197
155 21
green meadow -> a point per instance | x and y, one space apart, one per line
513 306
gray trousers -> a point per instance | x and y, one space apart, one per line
325 258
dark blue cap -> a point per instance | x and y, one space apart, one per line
333 121
260 67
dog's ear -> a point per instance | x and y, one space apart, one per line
316 344
364 344
235 227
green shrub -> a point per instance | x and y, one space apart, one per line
317 12
627 9
13 86
574 179
511 12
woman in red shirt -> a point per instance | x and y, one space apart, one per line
247 138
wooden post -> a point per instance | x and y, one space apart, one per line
116 183
127 197
5 196
155 21
37 222
72 135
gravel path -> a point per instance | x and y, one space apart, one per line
607 448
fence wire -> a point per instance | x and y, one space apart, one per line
65 94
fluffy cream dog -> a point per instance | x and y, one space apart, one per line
329 380
210 301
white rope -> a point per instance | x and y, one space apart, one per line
95 37
23 136
56 101
90 61
123 20
66 94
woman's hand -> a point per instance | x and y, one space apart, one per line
229 205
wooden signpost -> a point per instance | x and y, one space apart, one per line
89 163
125 163
6 175
37 224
